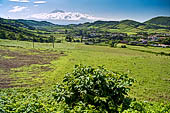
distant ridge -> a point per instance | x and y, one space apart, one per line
161 20
57 10
157 24
35 23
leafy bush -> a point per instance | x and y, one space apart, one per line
88 88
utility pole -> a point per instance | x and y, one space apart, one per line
33 42
53 41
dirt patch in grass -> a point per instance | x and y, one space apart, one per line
5 81
19 59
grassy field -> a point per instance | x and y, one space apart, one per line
150 70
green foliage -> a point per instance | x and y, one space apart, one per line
85 90
51 39
11 36
166 41
22 38
26 101
113 44
123 46
95 88
68 38
147 107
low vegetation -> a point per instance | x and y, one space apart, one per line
85 90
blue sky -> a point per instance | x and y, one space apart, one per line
139 10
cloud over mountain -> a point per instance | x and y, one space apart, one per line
65 16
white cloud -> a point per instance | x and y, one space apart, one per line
17 9
68 16
19 1
40 2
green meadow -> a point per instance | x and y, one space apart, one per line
149 68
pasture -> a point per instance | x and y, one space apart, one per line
43 66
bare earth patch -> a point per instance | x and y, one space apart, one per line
19 59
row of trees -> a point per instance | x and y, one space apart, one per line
165 41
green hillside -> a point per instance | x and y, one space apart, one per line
15 23
37 29
155 25
159 21
41 25
35 23
15 30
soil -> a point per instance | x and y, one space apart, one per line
18 59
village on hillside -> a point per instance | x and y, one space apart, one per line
139 39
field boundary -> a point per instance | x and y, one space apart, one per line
156 53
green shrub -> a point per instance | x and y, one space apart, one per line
93 88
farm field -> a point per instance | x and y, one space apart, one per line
43 66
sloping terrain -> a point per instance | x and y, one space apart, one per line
158 24
28 27
159 21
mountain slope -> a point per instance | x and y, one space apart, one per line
35 23
15 23
159 21
41 25
14 30
158 24
131 23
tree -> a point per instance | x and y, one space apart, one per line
51 39
41 40
112 44
2 35
68 38
11 36
166 41
66 31
82 34
22 37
